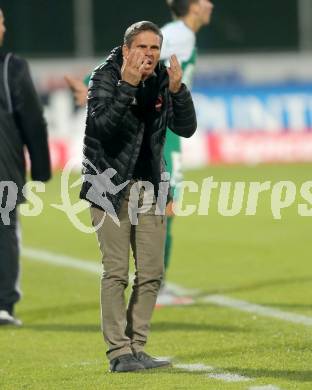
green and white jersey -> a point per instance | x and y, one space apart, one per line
181 41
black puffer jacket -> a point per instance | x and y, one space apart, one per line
21 125
114 133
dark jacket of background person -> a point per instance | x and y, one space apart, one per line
21 125
114 132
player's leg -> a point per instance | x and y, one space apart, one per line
172 154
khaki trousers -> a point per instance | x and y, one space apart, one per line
126 328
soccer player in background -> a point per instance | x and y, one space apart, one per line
180 38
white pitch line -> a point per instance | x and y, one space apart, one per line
221 376
264 311
220 300
61 260
86 265
227 377
197 367
94 268
182 291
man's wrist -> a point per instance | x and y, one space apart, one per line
126 83
129 83
175 90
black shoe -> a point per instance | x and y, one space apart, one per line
125 363
149 362
7 319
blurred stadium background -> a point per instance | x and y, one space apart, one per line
252 86
253 93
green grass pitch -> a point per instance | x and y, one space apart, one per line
253 258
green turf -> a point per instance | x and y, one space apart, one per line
257 259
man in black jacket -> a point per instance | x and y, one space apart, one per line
21 124
132 100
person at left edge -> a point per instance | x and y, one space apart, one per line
21 125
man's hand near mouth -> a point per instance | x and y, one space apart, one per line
133 67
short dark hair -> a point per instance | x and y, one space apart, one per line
180 8
136 28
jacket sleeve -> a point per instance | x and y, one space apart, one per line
29 118
108 102
182 117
